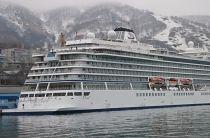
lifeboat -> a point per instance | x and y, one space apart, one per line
173 82
157 80
186 81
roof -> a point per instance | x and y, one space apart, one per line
123 29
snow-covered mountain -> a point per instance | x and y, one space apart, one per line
181 31
21 26
60 20
101 18
205 19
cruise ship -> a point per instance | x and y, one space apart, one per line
116 73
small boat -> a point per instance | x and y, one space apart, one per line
173 82
185 81
157 81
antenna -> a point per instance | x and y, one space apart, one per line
61 40
121 19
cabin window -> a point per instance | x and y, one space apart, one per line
94 86
31 95
23 95
86 93
48 94
59 94
69 94
40 95
43 87
29 87
77 94
65 86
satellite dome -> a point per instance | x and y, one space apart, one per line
90 35
111 34
191 44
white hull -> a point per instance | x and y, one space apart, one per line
112 99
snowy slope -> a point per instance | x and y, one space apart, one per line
177 41
179 32
21 26
170 24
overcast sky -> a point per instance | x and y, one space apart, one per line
163 7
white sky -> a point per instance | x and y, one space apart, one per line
164 7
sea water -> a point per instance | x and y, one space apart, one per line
162 122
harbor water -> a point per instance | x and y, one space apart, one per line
162 122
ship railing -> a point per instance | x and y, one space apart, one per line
89 85
49 72
93 85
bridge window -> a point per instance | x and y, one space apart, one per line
51 54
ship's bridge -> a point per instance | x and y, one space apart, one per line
51 56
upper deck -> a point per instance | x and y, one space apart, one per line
89 45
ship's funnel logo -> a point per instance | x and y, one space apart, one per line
131 35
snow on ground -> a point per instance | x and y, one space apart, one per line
163 36
123 16
65 23
43 18
177 42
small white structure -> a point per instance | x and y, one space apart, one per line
191 44
111 35
91 35
192 51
